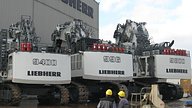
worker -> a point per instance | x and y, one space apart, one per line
108 101
123 102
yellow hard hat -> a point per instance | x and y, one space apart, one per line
109 92
121 93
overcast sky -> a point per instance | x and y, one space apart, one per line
166 19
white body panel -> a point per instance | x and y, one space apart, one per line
40 68
104 66
172 67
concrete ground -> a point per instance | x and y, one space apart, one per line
33 103
179 103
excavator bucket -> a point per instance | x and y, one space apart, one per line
155 97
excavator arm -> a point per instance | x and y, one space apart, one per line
67 34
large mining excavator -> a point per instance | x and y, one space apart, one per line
153 63
129 64
96 65
29 68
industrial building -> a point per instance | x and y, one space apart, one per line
46 14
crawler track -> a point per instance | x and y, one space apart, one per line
57 95
64 95
11 94
83 93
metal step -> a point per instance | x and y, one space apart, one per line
3 49
1 81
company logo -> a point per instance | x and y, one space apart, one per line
177 60
80 6
114 72
112 59
44 62
44 73
176 71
